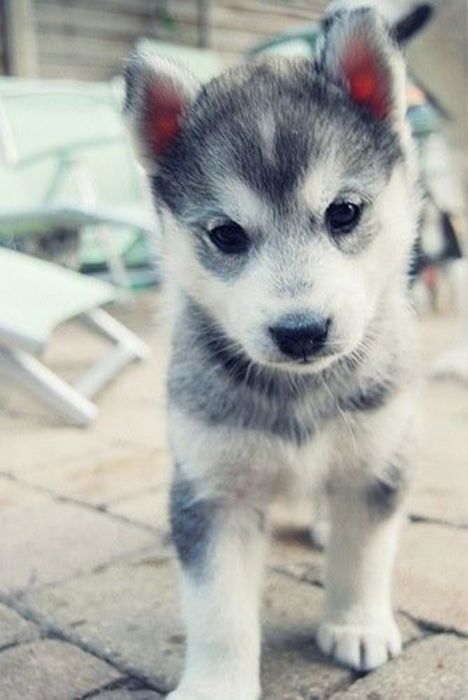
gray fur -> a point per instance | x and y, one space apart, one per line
373 396
385 493
191 522
357 241
221 135
273 147
237 393
225 266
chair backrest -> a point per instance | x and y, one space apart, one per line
52 122
65 134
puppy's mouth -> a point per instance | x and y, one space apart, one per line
306 363
254 370
333 352
260 351
242 360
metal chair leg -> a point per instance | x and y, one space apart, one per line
33 376
127 348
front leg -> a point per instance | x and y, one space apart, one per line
358 627
220 548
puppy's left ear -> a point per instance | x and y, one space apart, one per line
360 54
159 93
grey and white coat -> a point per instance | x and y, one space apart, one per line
287 194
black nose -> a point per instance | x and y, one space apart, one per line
301 338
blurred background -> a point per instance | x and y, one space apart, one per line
88 40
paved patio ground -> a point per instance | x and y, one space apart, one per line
88 588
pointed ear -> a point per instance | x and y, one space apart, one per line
158 95
360 54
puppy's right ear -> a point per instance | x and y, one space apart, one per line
360 54
158 95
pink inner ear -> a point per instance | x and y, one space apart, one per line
162 117
368 81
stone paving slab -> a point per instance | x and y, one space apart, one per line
129 610
134 406
102 476
132 420
432 574
14 628
132 612
435 668
292 551
443 458
128 695
51 670
150 508
67 337
43 541
431 581
441 486
37 446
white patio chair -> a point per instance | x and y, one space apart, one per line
36 297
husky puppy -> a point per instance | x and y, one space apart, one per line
287 194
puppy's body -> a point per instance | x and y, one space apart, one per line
287 192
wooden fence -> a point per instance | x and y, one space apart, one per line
89 39
3 67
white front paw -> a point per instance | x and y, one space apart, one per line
360 646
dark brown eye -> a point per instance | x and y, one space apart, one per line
230 238
342 217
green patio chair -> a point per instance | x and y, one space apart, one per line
37 296
68 164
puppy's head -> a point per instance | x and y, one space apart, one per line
284 189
